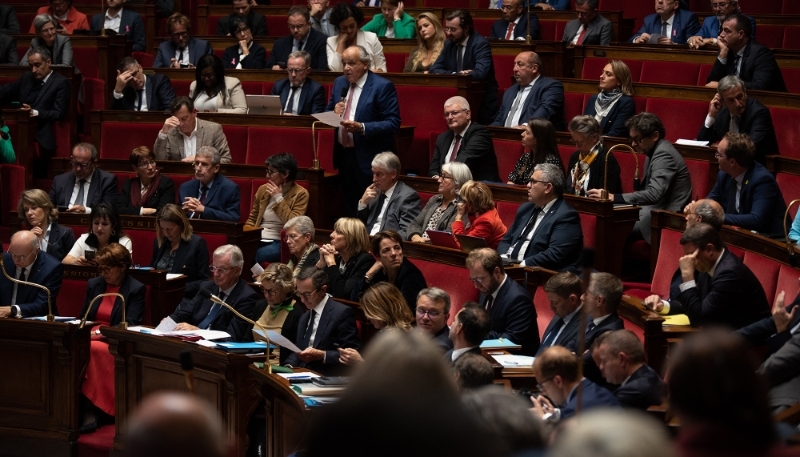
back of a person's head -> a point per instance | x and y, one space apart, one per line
473 371
506 417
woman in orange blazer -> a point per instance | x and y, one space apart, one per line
484 221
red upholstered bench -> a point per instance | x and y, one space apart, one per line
785 122
705 70
119 139
668 255
663 72
574 104
237 142
544 313
504 71
71 297
593 68
699 175
681 118
627 165
791 76
252 87
791 32
589 229
12 184
424 197
266 87
145 59
771 35
482 25
508 153
422 107
760 7
395 61
142 241
277 25
790 188
245 196
181 87
507 211
457 285
325 149
263 142
766 270
179 180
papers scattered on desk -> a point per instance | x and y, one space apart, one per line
676 319
166 325
500 343
173 276
300 375
329 118
515 363
311 389
57 318
209 335
277 338
692 143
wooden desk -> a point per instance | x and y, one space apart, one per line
287 415
43 362
147 364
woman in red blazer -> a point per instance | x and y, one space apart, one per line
484 221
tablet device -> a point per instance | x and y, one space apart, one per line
443 239
264 104
468 243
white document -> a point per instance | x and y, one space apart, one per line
692 143
277 338
301 375
206 343
166 325
173 276
329 118
514 361
257 270
204 334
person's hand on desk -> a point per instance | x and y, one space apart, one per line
80 209
5 311
595 194
310 355
643 38
349 356
185 326
654 302
193 205
418 239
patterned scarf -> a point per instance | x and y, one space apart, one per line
605 101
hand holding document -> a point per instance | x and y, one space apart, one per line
329 118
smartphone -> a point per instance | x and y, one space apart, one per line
89 254
63 208
184 65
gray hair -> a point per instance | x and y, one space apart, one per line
457 100
302 224
363 55
459 171
592 3
585 125
709 213
40 20
43 52
729 82
387 161
210 152
300 55
237 259
554 175
436 294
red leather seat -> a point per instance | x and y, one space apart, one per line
787 282
573 105
771 35
12 184
565 151
71 297
766 270
507 211
785 122
181 87
120 138
424 197
482 25
179 180
245 196
325 149
790 188
266 87
589 229
760 7
662 72
142 241
213 241
699 175
252 87
547 31
627 165
86 59
635 9
263 142
681 118
791 76
423 107
705 70
508 153
791 7
544 313
504 71
593 66
395 61
668 255
277 25
212 21
145 59
237 142
458 285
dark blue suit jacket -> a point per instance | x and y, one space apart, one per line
759 70
593 396
60 242
684 26
761 204
514 316
314 45
614 122
131 289
52 103
711 27
222 199
645 388
556 4
312 97
764 332
32 301
166 51
336 329
567 337
756 121
546 101
242 298
191 259
158 91
256 60
478 58
130 25
378 110
500 27
590 369
557 241
103 188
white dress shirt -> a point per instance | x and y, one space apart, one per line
536 223
453 143
113 22
353 94
74 195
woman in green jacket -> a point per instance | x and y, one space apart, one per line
393 23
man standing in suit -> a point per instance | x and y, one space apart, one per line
302 37
665 183
8 50
546 231
589 28
564 294
368 106
242 12
731 110
514 24
183 134
727 294
135 91
671 24
466 142
466 52
123 22
748 191
388 204
508 303
326 327
201 313
86 185
532 96
470 327
183 50
210 195
26 262
300 95
432 313
712 25
739 55
620 356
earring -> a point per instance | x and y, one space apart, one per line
113 233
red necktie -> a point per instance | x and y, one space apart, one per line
581 36
510 32
455 148
345 139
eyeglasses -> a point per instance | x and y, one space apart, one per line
449 114
269 292
180 35
220 270
20 258
104 270
582 14
577 143
637 139
720 156
719 6
293 236
540 385
446 176
151 163
79 165
477 280
200 165
534 181
296 70
272 172
431 314
452 29
307 295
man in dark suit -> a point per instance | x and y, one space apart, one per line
589 27
242 12
466 52
26 262
669 23
781 371
8 50
620 356
727 294
307 95
326 327
731 110
776 330
509 304
546 231
123 22
183 134
301 38
368 104
210 195
135 91
532 96
708 36
8 20
471 326
564 294
746 190
514 24
86 185
182 49
227 284
739 55
432 313
388 204
466 142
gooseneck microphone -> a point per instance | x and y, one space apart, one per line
50 317
187 365
123 324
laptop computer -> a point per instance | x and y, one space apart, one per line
468 243
443 239
264 104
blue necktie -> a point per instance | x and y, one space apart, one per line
215 309
590 326
551 337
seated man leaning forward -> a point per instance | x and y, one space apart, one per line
183 133
210 195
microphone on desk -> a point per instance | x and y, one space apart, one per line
187 365
123 324
50 317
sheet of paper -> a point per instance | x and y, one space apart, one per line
329 118
206 343
210 335
145 330
277 338
514 361
173 276
166 325
691 142
257 270
676 319
301 375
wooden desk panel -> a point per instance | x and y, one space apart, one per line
287 415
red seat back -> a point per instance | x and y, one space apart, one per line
213 241
544 313
627 165
790 34
547 31
237 142
790 188
424 197
266 87
71 297
483 25
263 142
681 118
565 151
593 67
705 70
669 253
458 285
573 105
142 241
771 35
395 61
508 153
145 59
699 175
181 87
662 72
422 107
589 229
277 25
12 184
252 87
507 211
325 149
787 282
760 7
504 70
245 196
791 7
785 122
791 76
766 270
120 138
179 180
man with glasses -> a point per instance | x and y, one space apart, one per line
183 50
302 37
327 326
300 95
123 22
665 183
533 95
466 142
242 12
668 25
79 190
210 195
432 314
712 25
508 303
388 203
514 24
183 133
589 27
26 262
546 231
135 91
201 313
470 327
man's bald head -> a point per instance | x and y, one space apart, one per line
24 238
24 248
708 211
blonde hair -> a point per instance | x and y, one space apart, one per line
173 213
478 196
39 199
623 75
280 275
384 302
355 234
438 40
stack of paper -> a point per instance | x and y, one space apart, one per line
314 390
501 343
676 319
515 363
